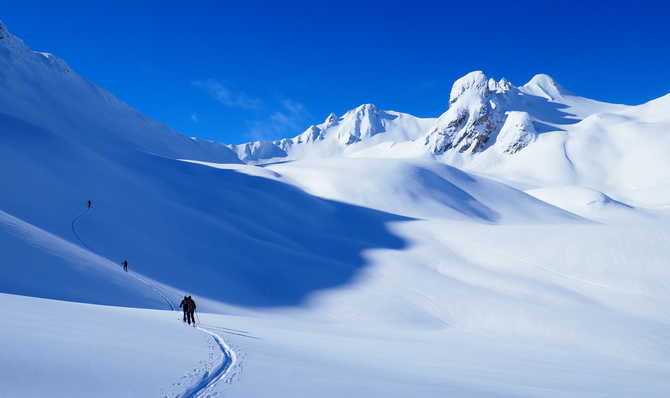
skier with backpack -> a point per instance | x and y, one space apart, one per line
184 306
188 306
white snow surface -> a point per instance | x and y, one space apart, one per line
347 261
60 349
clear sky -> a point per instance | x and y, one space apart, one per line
234 71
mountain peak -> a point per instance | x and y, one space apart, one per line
331 120
545 86
542 79
501 86
473 81
362 122
366 108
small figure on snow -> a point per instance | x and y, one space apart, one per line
90 204
188 305
125 265
184 305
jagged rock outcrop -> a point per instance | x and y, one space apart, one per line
475 115
517 132
484 112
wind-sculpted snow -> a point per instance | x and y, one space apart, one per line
418 189
353 263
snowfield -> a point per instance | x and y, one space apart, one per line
515 246
56 348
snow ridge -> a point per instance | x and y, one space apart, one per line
544 86
41 88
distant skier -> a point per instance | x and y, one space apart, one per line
90 204
191 311
184 305
188 305
125 265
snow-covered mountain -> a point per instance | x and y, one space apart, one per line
482 113
533 136
40 90
364 265
363 126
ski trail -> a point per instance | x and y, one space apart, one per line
218 373
74 229
229 357
155 289
152 286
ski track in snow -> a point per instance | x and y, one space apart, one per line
209 378
152 286
218 373
74 228
155 289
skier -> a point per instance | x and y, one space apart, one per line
90 204
125 265
185 306
191 311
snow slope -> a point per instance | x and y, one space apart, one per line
476 311
586 202
42 264
41 92
620 153
214 233
59 349
377 270
417 188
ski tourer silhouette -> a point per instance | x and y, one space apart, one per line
188 305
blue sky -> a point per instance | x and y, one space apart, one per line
262 70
